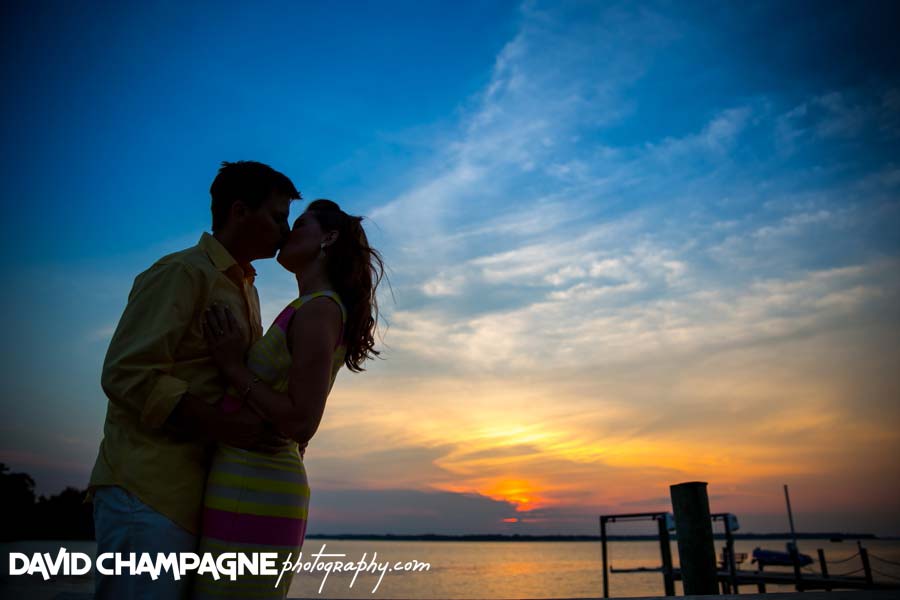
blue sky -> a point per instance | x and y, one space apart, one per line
629 244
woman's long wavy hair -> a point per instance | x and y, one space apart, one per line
355 269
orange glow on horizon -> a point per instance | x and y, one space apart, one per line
615 458
521 493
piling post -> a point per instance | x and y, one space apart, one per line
665 550
732 567
605 568
824 566
795 559
696 549
864 555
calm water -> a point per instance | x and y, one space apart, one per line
490 569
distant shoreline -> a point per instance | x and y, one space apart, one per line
584 538
847 537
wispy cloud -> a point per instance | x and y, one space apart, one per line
608 278
638 312
840 115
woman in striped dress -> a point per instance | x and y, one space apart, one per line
257 502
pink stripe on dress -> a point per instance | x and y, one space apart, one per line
252 529
284 318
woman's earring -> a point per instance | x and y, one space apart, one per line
322 250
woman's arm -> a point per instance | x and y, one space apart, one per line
313 334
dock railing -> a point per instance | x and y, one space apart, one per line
692 523
665 523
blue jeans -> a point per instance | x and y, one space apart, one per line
124 524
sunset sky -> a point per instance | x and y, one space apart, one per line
629 244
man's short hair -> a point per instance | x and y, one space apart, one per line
247 181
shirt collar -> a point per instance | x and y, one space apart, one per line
222 259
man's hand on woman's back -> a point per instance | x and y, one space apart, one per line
243 428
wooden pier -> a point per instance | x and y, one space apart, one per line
809 581
725 578
835 595
729 578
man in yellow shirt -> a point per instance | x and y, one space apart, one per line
162 417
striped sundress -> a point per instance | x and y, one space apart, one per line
257 502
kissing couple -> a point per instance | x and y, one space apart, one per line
208 418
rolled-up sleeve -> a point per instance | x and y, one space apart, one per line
138 365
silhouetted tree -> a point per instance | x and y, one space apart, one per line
64 516
16 504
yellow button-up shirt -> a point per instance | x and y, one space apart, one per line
157 354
